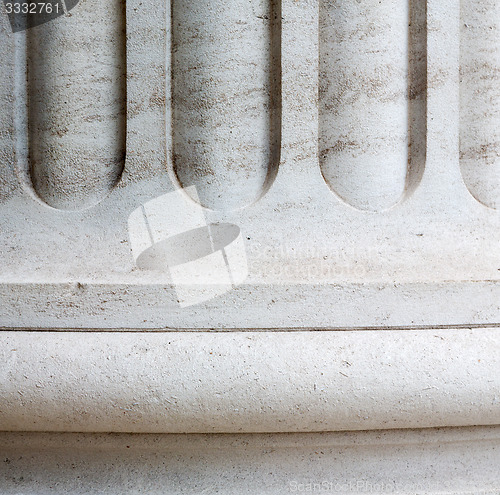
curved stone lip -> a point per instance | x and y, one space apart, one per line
249 382
435 461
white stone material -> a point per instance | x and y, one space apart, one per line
455 461
314 261
199 382
76 112
364 98
372 300
480 99
226 80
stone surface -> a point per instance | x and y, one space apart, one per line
314 260
479 100
372 86
76 71
373 288
451 461
226 107
200 382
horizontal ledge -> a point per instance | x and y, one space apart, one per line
250 330
327 306
433 461
248 382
